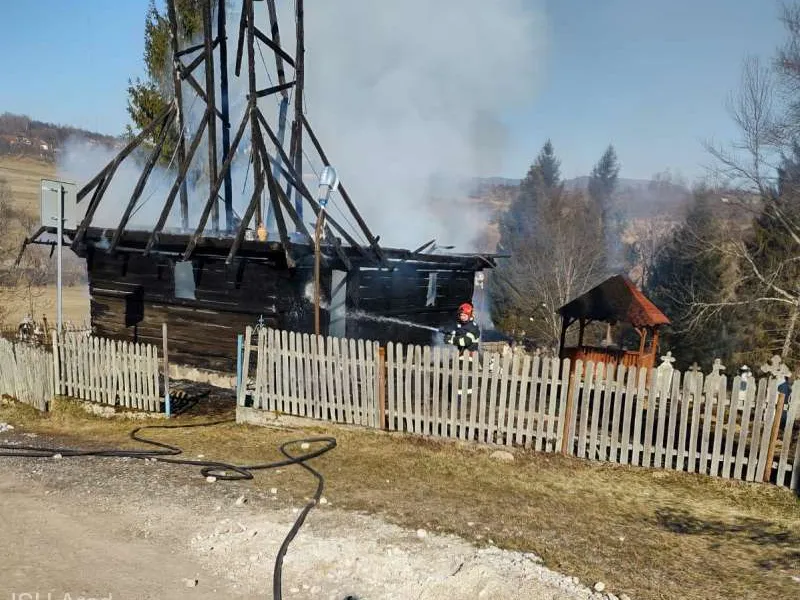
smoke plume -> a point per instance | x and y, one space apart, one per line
407 97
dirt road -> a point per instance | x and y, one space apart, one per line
125 529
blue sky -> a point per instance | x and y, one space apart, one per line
649 76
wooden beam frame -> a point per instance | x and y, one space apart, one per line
108 173
345 196
176 83
145 175
225 106
211 101
279 52
213 196
179 183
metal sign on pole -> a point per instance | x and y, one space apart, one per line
59 208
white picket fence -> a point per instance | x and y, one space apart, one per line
658 418
685 422
307 376
26 373
511 400
107 371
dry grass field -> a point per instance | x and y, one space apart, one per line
23 176
650 534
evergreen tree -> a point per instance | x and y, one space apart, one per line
690 273
602 185
148 97
555 247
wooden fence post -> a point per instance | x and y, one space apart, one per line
566 442
165 346
381 387
779 371
776 425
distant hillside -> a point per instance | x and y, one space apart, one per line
22 136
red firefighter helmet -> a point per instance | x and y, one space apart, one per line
465 309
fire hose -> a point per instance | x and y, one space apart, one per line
220 470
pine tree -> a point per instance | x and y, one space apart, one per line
691 272
555 249
148 97
602 185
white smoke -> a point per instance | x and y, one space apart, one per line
406 96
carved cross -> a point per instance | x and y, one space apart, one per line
695 368
776 368
667 359
717 368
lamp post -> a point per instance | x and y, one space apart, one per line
328 183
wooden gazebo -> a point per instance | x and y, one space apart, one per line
616 300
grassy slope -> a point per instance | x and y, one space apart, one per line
23 176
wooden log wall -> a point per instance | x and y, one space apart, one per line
202 332
133 295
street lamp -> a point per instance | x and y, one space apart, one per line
328 183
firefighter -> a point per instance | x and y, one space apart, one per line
466 334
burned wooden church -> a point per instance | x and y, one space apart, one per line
210 277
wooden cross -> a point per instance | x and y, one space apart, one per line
776 368
667 359
695 368
779 371
717 368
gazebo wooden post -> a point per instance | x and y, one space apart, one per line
654 346
565 323
581 332
642 331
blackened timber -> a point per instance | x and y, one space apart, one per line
176 83
188 77
224 99
262 37
148 168
29 240
345 196
251 83
248 215
284 236
299 77
179 184
424 247
123 154
316 208
240 39
284 106
293 181
276 190
198 60
109 174
275 89
190 49
212 105
215 190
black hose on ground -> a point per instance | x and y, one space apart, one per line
220 470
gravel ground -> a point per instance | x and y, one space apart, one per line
135 529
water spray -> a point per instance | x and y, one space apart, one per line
380 319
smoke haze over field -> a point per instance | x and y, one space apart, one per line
400 93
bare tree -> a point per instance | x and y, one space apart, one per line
565 260
750 172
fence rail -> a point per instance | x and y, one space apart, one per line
26 374
107 371
658 418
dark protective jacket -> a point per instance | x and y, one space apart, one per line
465 336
